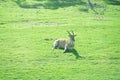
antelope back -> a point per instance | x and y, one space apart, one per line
62 43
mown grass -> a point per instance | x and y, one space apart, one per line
27 35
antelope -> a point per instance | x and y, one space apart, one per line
66 44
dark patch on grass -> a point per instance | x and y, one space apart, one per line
2 23
49 4
114 58
95 63
113 2
117 51
48 39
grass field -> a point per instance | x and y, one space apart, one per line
27 35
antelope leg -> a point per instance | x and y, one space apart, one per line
65 49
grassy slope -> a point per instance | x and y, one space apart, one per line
26 37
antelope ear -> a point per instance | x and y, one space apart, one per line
68 32
72 32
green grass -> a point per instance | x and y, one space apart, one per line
27 36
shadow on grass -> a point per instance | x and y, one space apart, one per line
49 4
75 53
25 4
113 2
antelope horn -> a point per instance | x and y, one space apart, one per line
68 32
72 32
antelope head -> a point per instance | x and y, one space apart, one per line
71 35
